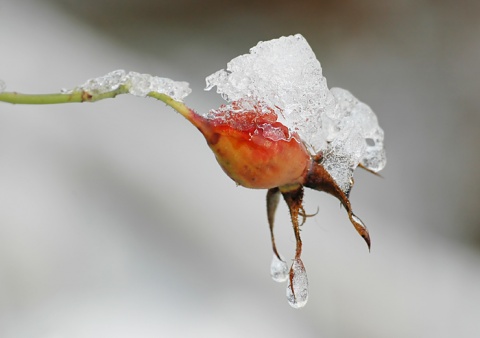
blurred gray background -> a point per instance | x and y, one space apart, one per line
116 221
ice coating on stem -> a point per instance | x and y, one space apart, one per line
106 83
3 86
284 75
142 84
297 288
278 269
137 84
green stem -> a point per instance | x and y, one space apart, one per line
79 95
178 106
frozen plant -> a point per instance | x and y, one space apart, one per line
137 84
281 129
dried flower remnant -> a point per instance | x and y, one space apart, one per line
283 130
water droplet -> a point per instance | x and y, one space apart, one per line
279 269
297 289
358 221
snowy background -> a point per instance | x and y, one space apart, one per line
116 221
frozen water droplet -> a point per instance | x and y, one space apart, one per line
297 289
279 269
358 221
3 86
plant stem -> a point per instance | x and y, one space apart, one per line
177 105
80 95
77 95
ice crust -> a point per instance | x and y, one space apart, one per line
137 84
284 75
3 86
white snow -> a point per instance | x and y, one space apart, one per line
137 84
284 75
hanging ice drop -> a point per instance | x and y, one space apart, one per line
278 269
297 289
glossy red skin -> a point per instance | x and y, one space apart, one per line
248 157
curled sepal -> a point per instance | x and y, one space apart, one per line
273 197
319 179
279 269
360 227
297 289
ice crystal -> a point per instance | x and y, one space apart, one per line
137 84
3 86
106 83
142 84
297 288
278 269
284 75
